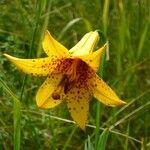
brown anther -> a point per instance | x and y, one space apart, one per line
55 96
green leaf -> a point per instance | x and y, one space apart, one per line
16 114
103 140
88 145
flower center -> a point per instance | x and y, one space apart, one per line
68 80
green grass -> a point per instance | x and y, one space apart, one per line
126 25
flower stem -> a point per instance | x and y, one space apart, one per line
99 106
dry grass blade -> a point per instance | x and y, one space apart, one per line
72 122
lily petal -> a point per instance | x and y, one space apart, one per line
78 105
44 95
53 47
104 93
94 59
86 45
35 67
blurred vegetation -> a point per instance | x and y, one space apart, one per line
125 24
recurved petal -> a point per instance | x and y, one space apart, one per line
35 67
44 95
78 105
103 93
53 47
94 59
86 45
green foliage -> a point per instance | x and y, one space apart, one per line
126 26
88 145
103 140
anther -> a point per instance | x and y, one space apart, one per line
55 96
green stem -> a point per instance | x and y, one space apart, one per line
39 5
69 138
16 115
98 109
105 16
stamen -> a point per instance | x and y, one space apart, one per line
59 89
72 71
55 96
56 93
68 81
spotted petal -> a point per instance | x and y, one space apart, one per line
53 47
103 93
86 45
78 105
36 67
94 59
44 95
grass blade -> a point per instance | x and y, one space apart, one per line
103 140
69 138
68 26
129 115
88 145
16 115
98 109
142 40
17 119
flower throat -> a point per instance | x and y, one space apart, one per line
68 80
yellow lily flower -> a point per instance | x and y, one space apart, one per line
71 76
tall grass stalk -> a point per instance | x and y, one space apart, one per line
16 115
69 139
105 16
103 140
17 107
127 139
143 38
99 108
68 26
44 26
130 115
125 107
122 31
40 6
72 122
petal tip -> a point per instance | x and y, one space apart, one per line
121 103
47 32
39 102
82 127
6 55
104 47
11 58
39 105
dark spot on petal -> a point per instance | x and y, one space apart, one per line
78 101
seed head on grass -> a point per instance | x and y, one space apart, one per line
71 76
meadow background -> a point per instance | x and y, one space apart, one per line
125 24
